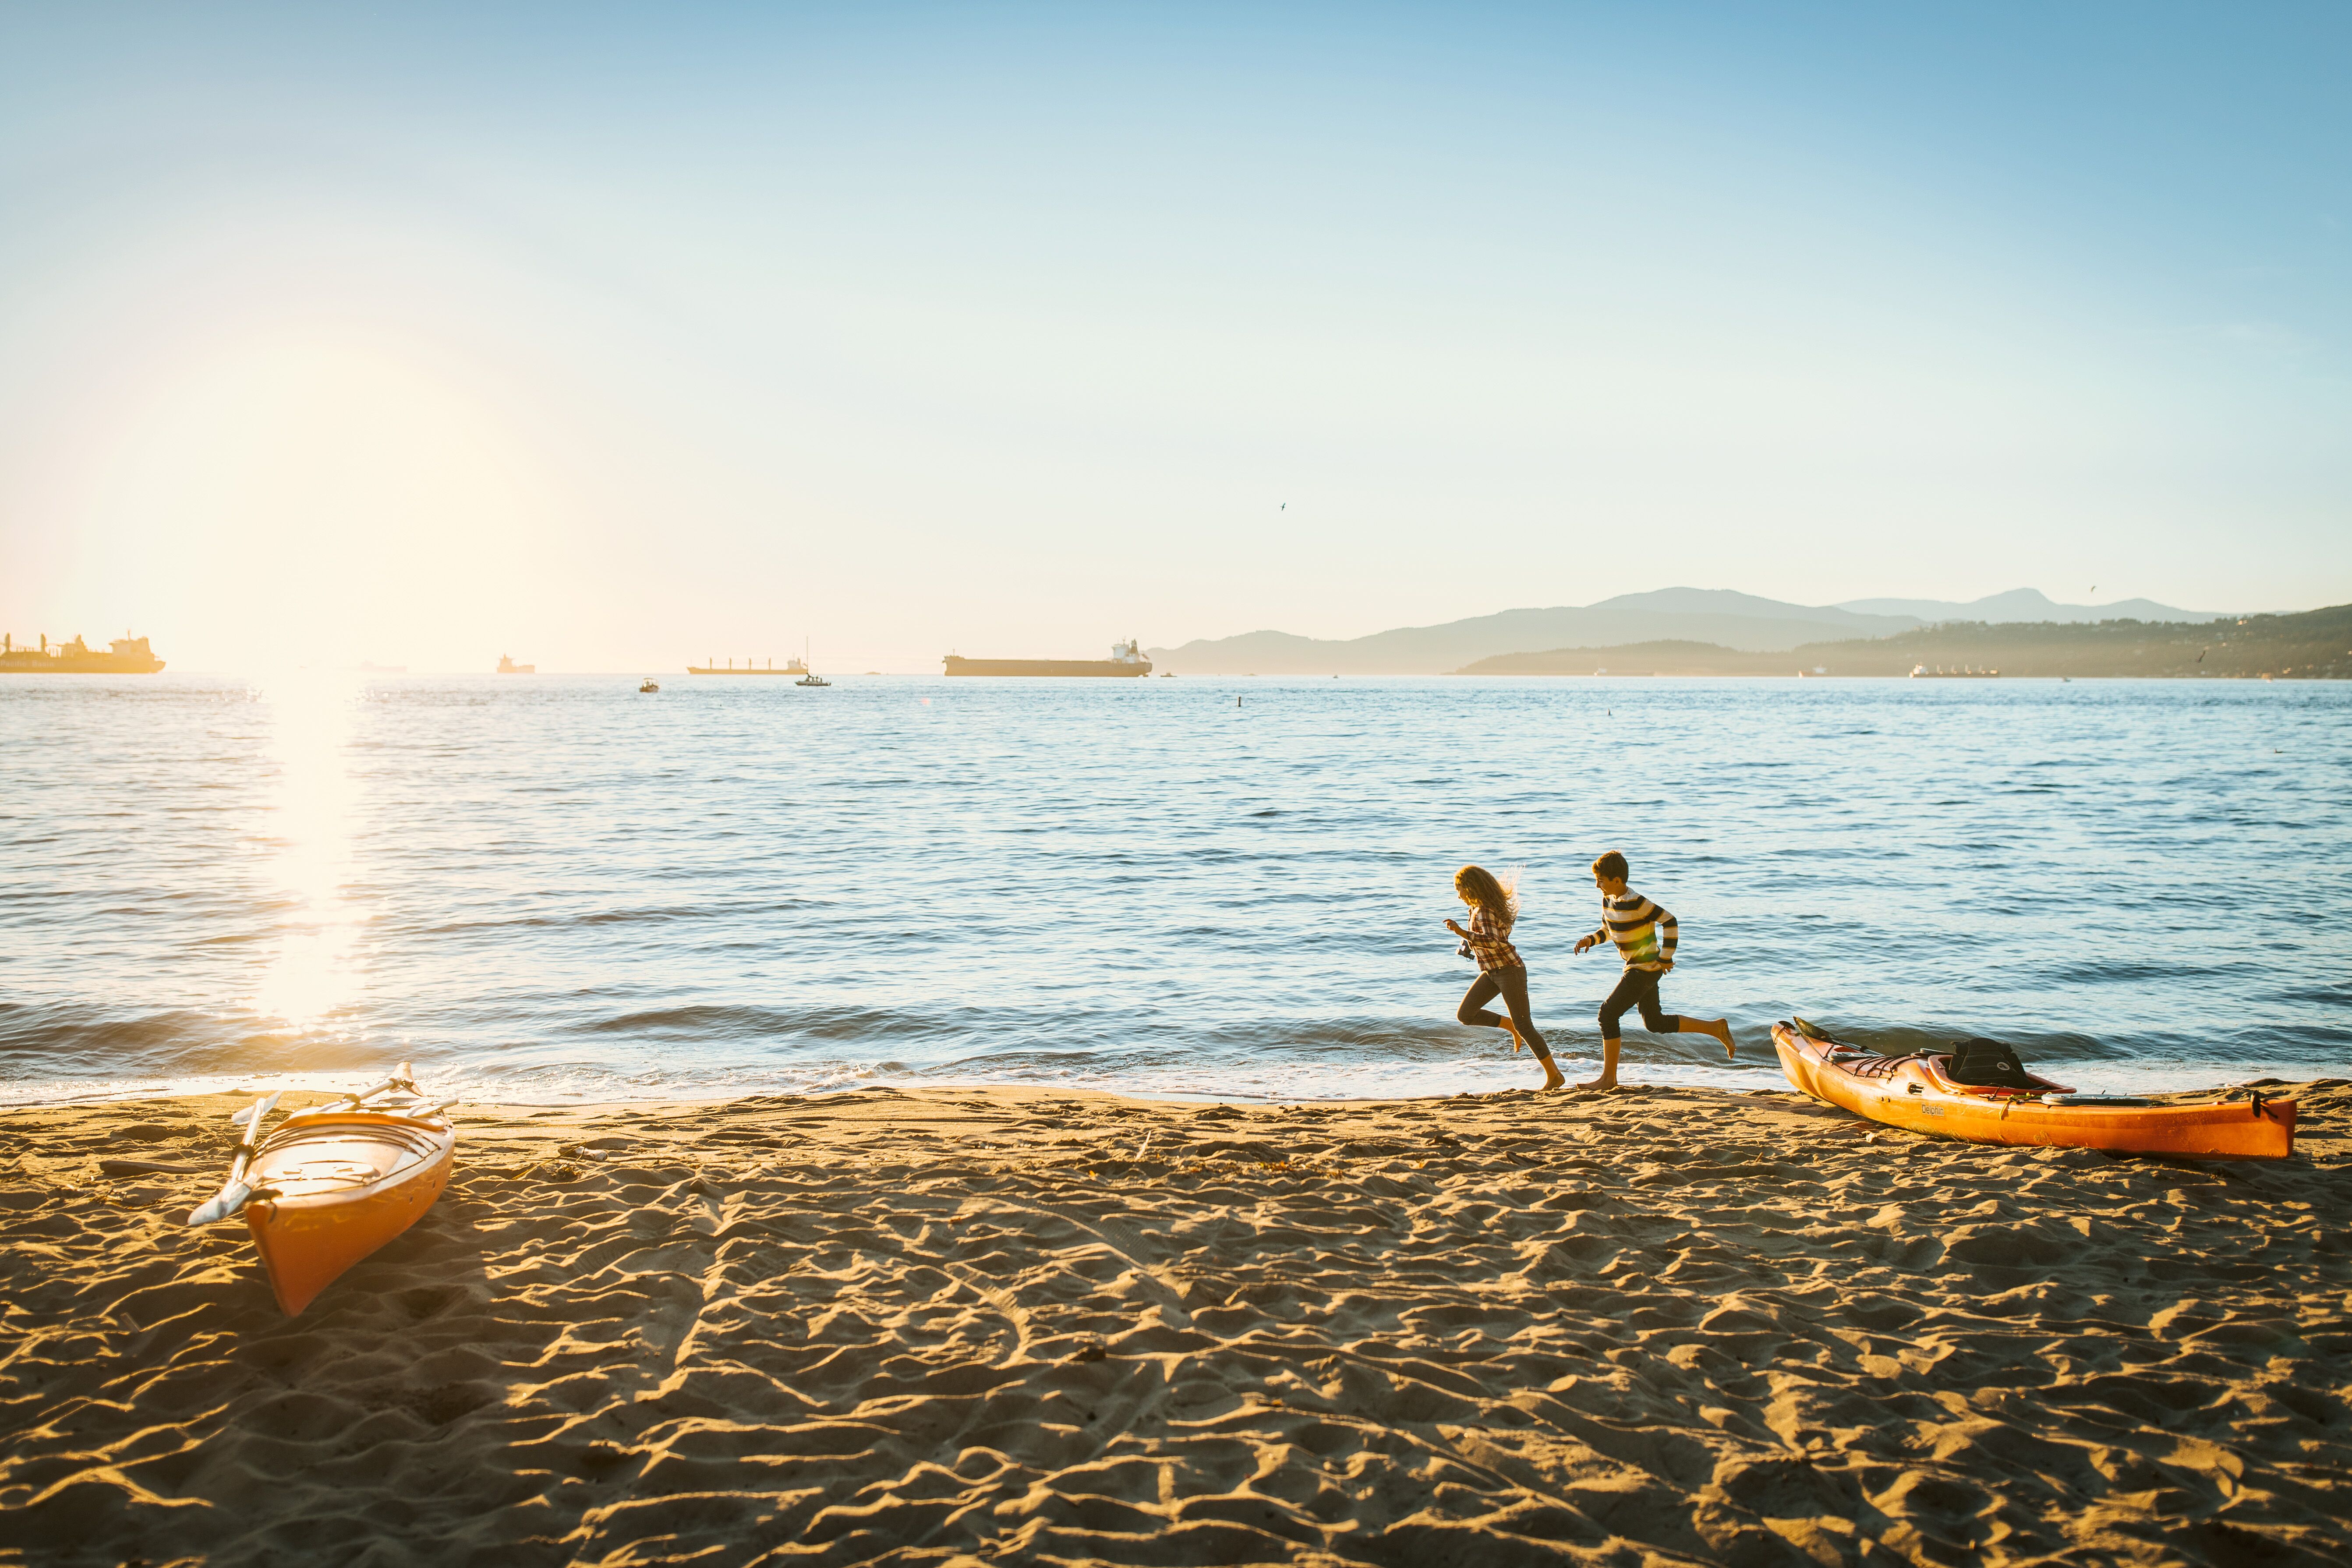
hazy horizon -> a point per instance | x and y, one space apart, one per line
390 663
612 339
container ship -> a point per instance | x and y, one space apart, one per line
1125 658
130 656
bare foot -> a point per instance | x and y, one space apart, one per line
1513 1030
1722 1031
1552 1076
1599 1083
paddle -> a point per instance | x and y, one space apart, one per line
236 1189
401 1078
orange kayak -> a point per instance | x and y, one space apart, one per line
329 1189
1914 1093
330 1185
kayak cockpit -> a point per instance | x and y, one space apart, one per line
307 1156
1937 1070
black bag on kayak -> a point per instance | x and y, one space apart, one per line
1988 1063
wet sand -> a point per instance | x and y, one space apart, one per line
966 1327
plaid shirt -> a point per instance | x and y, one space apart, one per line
1492 948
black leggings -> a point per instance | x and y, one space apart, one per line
1511 984
1638 988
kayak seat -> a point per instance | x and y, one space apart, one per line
1988 1063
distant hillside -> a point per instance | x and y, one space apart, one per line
1712 615
2314 644
2027 605
1741 622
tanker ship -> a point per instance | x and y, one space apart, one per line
789 666
1125 658
130 656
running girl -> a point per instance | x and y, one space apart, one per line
1501 973
1645 936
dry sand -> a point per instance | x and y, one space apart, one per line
1002 1327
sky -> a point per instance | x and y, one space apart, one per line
616 336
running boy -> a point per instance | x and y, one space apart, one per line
1645 936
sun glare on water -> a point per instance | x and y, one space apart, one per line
313 974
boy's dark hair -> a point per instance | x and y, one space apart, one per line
1612 866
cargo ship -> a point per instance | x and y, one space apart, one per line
789 666
508 667
130 656
1125 658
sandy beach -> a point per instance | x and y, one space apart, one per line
985 1326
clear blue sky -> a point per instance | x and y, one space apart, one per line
611 335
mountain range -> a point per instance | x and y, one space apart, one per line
2020 606
1717 615
2311 645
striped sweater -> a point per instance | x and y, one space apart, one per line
1645 933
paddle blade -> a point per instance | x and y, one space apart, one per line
236 1189
230 1201
251 1115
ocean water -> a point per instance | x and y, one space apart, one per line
554 887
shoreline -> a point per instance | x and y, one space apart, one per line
952 1326
2119 1076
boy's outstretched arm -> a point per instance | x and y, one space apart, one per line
1669 932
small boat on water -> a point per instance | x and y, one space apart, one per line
812 678
1920 1094
648 684
332 1184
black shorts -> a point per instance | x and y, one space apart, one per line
1638 988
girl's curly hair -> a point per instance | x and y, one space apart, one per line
1481 886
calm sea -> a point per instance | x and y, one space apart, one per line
549 888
